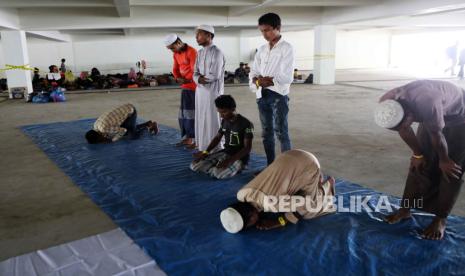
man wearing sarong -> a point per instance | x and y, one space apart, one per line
438 148
237 132
184 57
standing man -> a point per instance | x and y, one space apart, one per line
451 53
209 77
461 63
438 148
63 66
270 78
183 71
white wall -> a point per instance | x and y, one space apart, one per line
354 49
119 54
115 54
44 53
424 52
112 54
302 42
362 49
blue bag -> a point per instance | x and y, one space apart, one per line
41 98
58 95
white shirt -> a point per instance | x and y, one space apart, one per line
277 63
53 76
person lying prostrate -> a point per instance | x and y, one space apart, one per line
294 173
117 123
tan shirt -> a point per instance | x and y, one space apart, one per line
109 123
295 172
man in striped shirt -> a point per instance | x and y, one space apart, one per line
113 125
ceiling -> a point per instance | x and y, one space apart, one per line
62 20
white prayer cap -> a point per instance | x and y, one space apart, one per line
206 28
232 221
389 114
170 39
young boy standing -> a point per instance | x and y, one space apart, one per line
270 77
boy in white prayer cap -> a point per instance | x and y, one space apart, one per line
293 173
184 57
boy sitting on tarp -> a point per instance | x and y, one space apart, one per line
238 133
113 125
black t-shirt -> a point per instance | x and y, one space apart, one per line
235 133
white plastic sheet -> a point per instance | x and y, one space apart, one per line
110 253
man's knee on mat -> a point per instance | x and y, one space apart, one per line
199 166
223 173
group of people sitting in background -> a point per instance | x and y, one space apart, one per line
65 78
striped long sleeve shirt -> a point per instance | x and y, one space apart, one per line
109 123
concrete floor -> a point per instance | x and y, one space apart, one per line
41 207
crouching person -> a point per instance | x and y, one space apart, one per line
117 123
294 174
238 134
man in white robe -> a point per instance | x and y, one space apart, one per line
209 77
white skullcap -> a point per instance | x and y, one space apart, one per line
389 114
206 28
170 39
232 221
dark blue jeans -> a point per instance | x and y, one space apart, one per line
273 108
134 130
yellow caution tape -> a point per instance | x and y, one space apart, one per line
17 67
323 56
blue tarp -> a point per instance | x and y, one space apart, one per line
146 187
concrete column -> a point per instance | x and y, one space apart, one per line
15 53
324 58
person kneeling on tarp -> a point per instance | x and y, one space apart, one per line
238 133
295 176
113 125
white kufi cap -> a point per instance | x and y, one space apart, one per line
170 39
232 221
206 28
389 114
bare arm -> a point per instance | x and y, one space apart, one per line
408 135
447 165
215 141
239 155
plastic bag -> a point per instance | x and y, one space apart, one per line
41 98
58 95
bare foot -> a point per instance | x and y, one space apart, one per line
191 146
435 231
331 181
185 142
328 179
153 127
397 216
